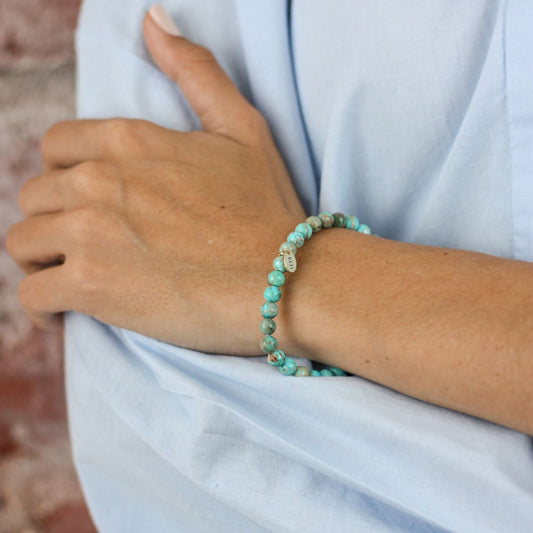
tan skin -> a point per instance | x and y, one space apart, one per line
171 234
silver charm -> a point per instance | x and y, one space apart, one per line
289 261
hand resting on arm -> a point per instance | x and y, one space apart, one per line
171 234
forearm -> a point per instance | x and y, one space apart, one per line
449 327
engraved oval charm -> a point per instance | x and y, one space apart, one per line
289 262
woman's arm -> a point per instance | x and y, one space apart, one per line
449 327
172 234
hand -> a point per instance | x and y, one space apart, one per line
166 233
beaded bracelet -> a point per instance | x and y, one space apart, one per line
286 262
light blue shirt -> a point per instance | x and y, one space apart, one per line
418 118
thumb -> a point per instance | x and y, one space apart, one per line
214 98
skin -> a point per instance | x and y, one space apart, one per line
171 234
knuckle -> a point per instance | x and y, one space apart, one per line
199 54
88 268
86 177
117 129
88 277
124 136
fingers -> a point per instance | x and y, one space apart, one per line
43 295
43 194
64 189
55 252
71 142
68 143
37 241
214 98
64 255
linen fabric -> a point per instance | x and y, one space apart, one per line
418 118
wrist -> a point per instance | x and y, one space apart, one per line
253 281
304 326
314 304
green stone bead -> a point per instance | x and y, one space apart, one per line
296 238
268 344
326 372
304 229
276 358
326 219
315 223
351 222
269 310
289 367
301 371
267 326
363 228
287 247
315 373
339 220
276 278
278 264
337 371
272 294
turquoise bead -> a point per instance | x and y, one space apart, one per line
326 372
337 371
363 228
269 310
339 220
276 358
301 371
272 294
315 223
327 219
296 238
276 278
287 247
304 229
267 326
268 344
278 264
351 222
289 367
315 373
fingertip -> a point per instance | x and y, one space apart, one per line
208 89
158 14
49 322
160 38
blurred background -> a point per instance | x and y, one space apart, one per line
39 491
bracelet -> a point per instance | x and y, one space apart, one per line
286 262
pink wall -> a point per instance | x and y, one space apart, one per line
39 491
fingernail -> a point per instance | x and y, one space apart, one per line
163 20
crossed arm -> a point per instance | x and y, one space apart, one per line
171 234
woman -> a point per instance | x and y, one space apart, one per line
407 118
